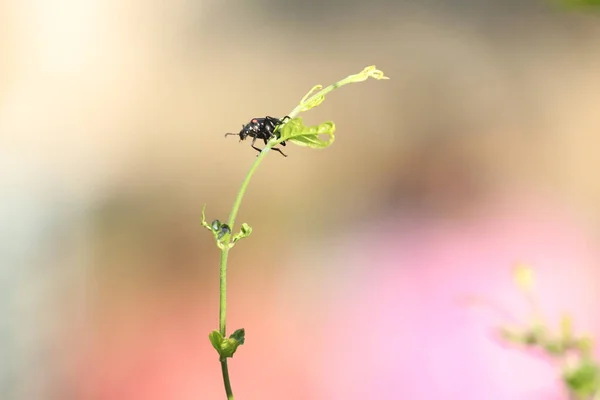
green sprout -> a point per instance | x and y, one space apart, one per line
294 131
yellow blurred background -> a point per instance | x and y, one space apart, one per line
112 115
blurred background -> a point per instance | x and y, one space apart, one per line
370 261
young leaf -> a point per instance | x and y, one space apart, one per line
246 229
312 99
296 132
244 232
224 229
584 380
216 339
230 345
227 347
307 105
239 335
204 223
215 225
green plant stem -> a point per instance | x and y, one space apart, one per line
223 264
242 191
226 380
223 316
226 247
232 216
223 292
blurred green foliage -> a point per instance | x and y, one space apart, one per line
579 4
580 372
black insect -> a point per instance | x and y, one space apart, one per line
261 128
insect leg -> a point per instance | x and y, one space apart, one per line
279 150
272 120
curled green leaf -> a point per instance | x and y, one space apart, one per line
239 336
316 95
296 132
311 91
204 223
246 229
312 103
244 232
216 339
369 72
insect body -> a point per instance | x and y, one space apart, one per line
261 128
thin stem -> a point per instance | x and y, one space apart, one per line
223 317
225 249
234 211
242 191
223 292
223 265
226 380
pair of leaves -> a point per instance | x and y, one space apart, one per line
222 231
226 347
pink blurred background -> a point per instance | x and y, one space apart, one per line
372 265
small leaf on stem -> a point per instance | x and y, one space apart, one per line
216 339
296 132
227 347
216 224
204 223
239 335
223 230
244 232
